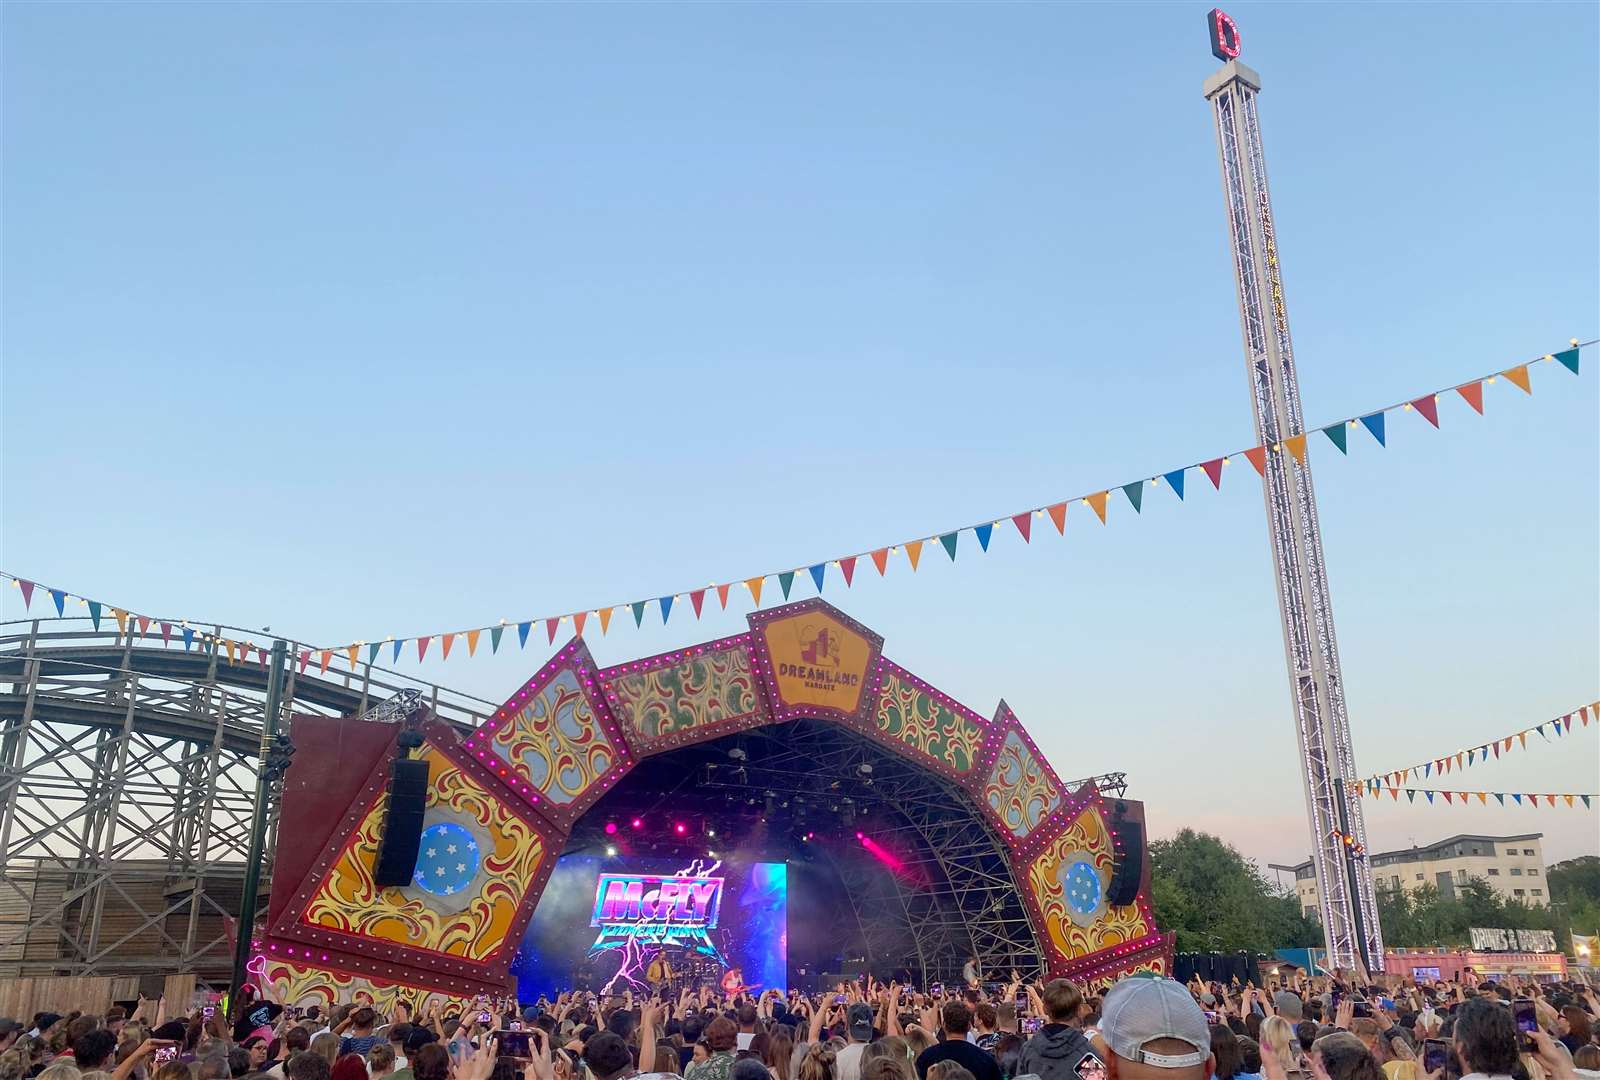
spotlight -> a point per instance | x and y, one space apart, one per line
610 850
711 854
611 828
860 837
680 828
638 823
711 832
865 768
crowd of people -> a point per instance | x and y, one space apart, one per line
1142 1028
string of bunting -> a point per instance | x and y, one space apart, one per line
1374 422
1477 755
1519 798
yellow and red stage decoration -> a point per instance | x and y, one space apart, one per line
1424 409
503 799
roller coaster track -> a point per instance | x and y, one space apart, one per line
127 772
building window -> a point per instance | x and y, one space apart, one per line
1516 871
1511 851
1537 892
1419 877
1395 881
1516 892
1527 851
1533 871
1494 871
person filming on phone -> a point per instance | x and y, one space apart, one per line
1054 1052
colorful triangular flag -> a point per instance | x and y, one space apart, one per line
1296 445
605 619
422 649
914 552
1257 457
1024 524
1569 360
1097 502
578 619
94 612
1472 394
983 532
1175 478
880 559
1135 494
847 567
60 597
1519 375
638 612
495 633
754 585
697 598
1428 406
550 626
522 631
666 607
1213 470
27 593
722 596
818 572
1338 435
1374 424
472 642
949 541
786 582
1058 514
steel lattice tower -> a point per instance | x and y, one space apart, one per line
1349 910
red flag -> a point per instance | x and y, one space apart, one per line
1428 406
848 568
1058 514
27 592
697 598
305 657
144 625
880 559
166 633
722 595
1257 456
1472 394
550 627
1394 793
579 619
1023 522
422 646
1446 795
444 646
1214 471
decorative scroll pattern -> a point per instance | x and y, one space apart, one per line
1019 789
1049 879
710 688
349 901
556 740
928 726
295 984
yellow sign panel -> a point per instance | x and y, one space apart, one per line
818 661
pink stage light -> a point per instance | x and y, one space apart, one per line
638 823
881 853
611 828
680 828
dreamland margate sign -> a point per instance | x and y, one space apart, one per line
818 661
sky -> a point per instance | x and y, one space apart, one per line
360 320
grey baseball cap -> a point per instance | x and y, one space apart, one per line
1140 1011
1289 1005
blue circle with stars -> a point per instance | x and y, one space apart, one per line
447 860
1082 886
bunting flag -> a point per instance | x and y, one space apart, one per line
1470 391
1479 753
1453 796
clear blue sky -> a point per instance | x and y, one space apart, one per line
357 320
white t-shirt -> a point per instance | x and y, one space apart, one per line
847 1065
745 1039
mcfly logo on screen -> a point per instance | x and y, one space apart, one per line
667 903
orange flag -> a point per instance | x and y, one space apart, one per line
1098 504
1058 514
230 647
1519 375
722 595
472 642
444 645
323 657
1472 394
352 651
122 620
914 552
1569 799
1523 735
1483 796
144 625
754 585
577 622
1297 447
1257 456
880 559
605 620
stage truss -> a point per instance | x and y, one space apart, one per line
1007 861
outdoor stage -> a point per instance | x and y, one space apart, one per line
785 804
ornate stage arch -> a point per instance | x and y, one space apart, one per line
504 799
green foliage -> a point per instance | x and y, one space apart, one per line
1420 917
1218 901
1575 892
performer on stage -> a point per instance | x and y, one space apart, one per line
971 974
660 973
733 982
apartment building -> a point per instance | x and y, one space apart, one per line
1512 865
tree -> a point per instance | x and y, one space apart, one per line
1219 901
1421 917
1575 894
